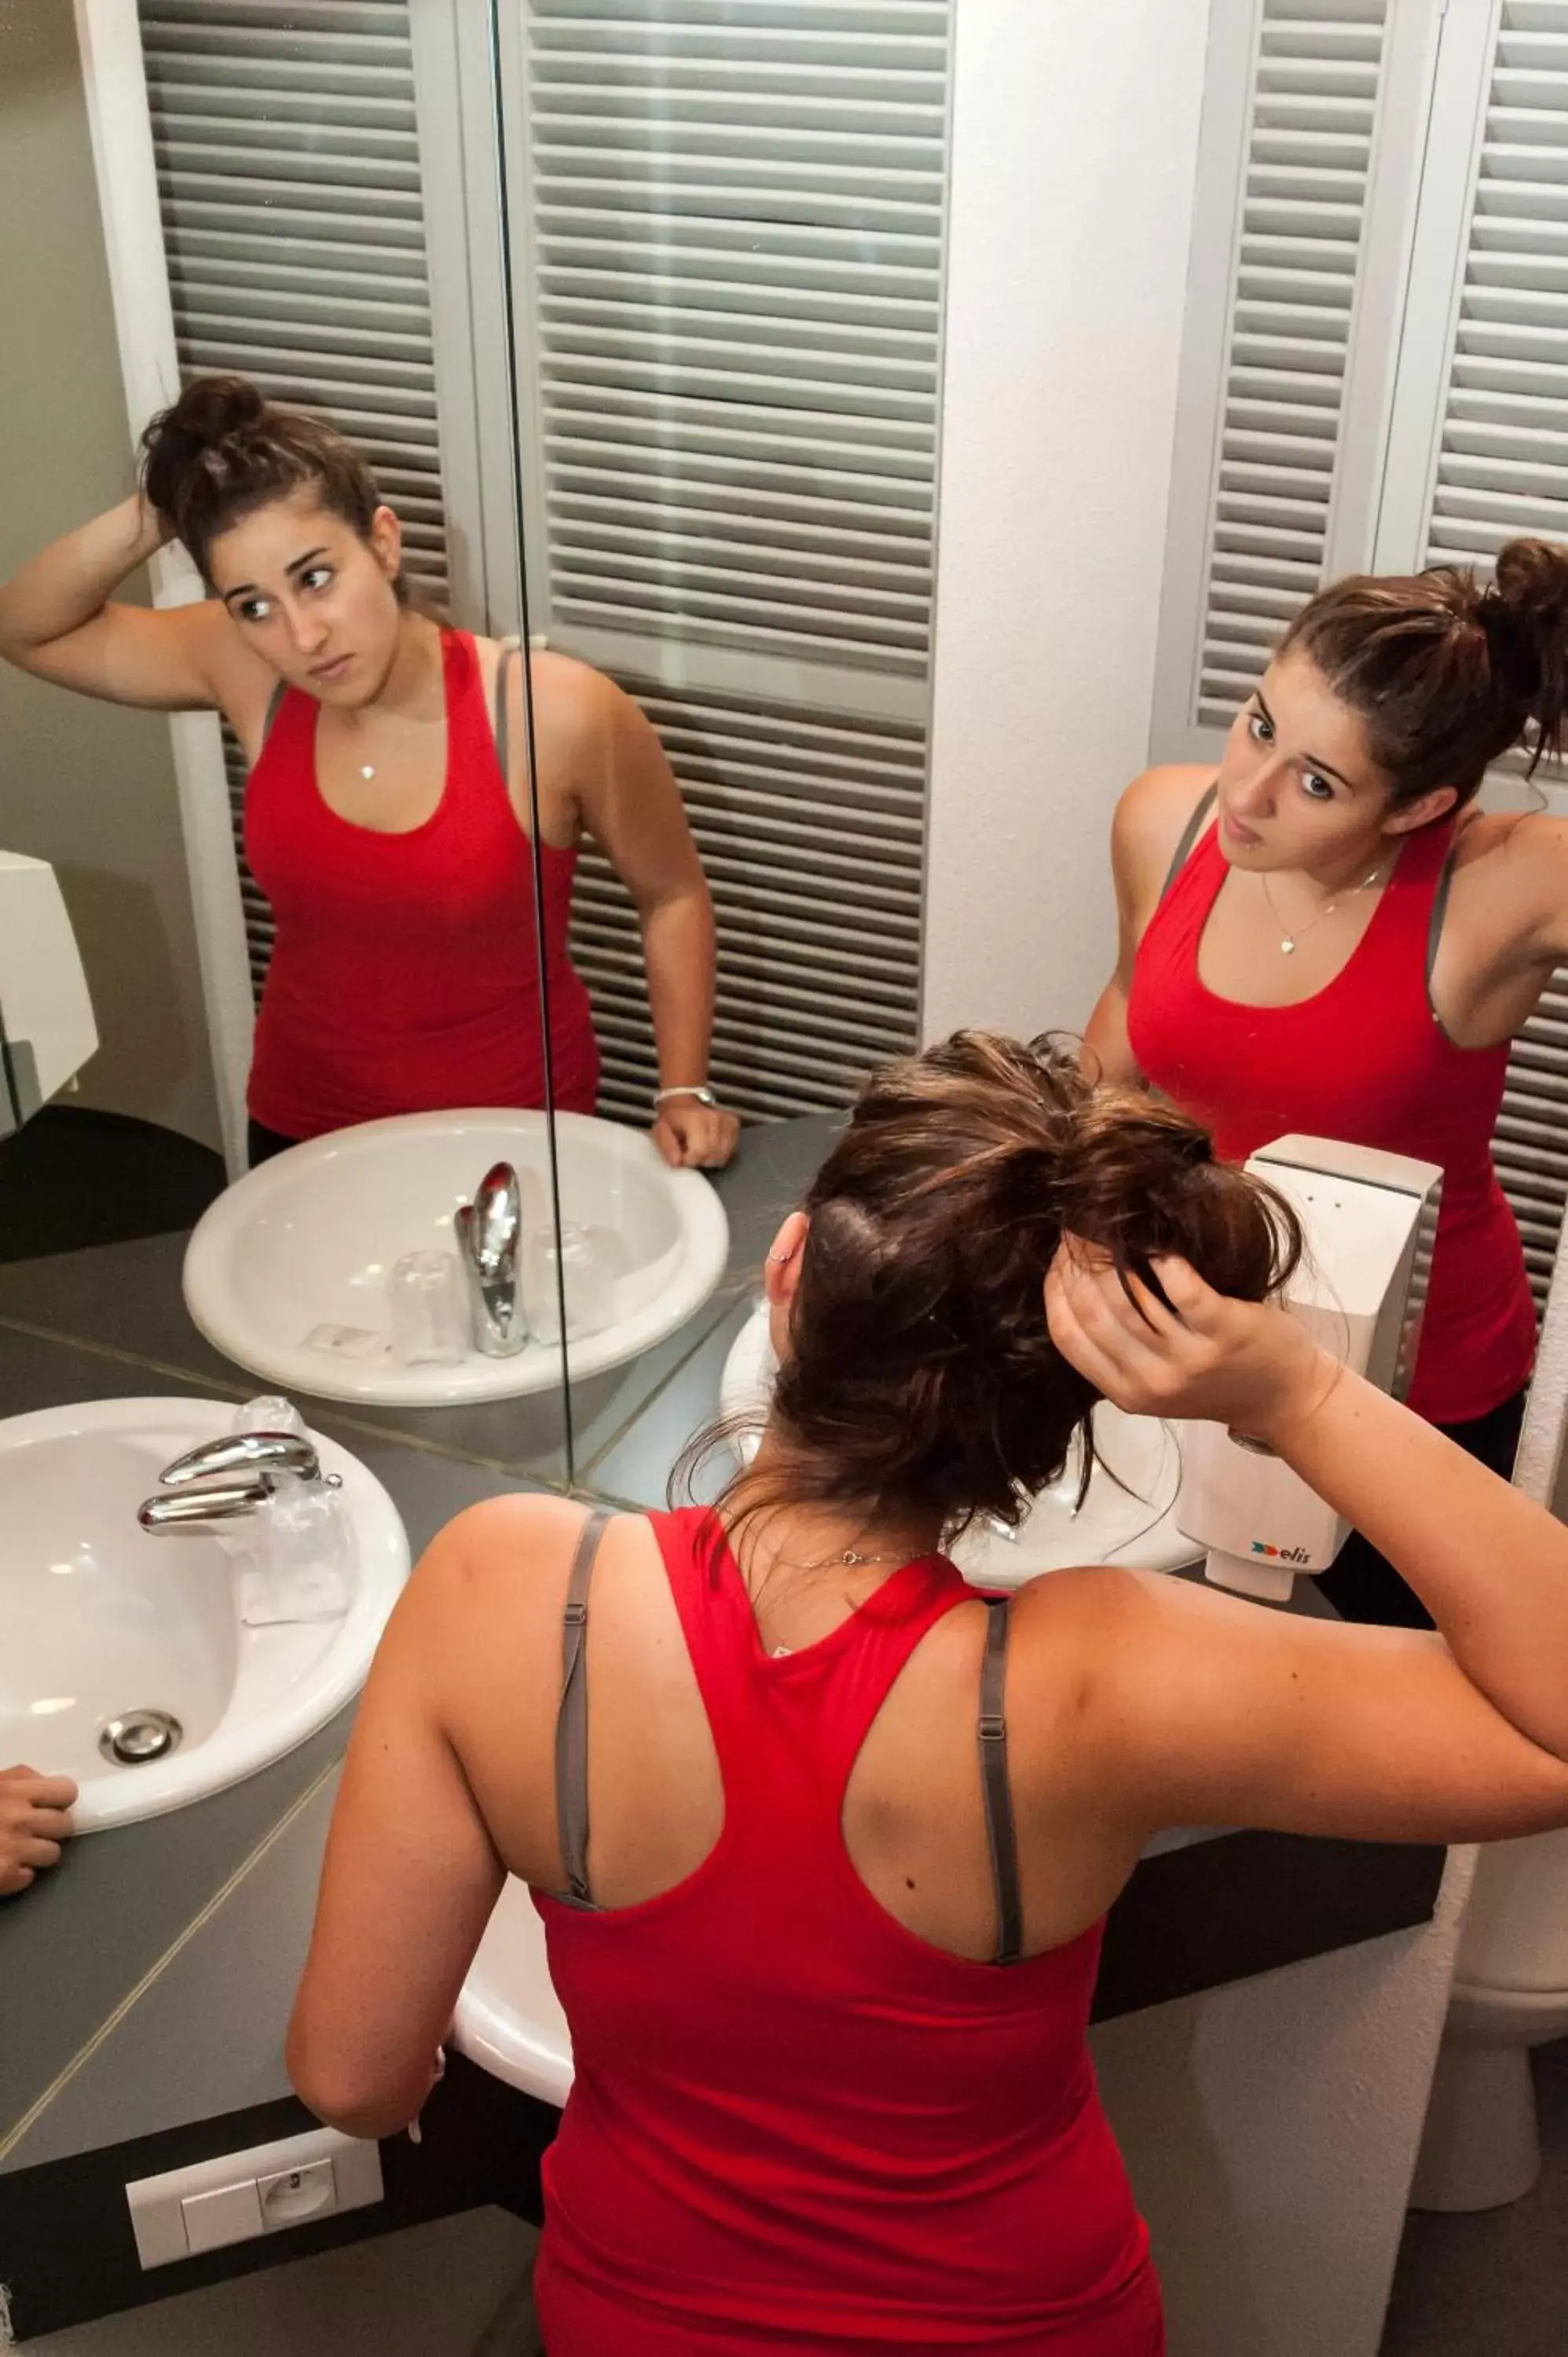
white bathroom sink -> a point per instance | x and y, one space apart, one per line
509 2017
1127 1514
287 1273
102 1620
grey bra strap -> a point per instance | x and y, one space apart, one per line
275 702
1000 1834
500 720
1190 835
1439 910
571 1717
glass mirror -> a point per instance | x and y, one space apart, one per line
723 244
305 891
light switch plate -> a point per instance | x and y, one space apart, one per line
230 2214
336 2173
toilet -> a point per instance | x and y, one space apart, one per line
1480 2148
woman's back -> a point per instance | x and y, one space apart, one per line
789 2109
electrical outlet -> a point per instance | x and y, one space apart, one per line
240 2196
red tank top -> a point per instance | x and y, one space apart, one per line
794 2124
405 974
1364 1060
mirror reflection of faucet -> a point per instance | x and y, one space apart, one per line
523 1268
489 1249
504 1287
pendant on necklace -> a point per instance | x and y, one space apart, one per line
1287 946
366 770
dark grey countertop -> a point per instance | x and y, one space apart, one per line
82 1950
142 1928
147 1980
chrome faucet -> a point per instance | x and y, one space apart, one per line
490 1246
192 1492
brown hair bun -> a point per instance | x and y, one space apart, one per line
921 1373
1447 673
223 450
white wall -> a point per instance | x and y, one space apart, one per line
1074 167
88 786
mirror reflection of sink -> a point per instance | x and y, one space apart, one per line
1126 1515
287 1273
105 1622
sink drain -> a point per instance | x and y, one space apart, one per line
140 1735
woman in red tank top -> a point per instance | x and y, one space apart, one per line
822 1841
388 811
1330 938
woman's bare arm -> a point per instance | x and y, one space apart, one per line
627 799
1216 1712
411 1873
58 620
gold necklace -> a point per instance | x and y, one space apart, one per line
1289 940
850 1560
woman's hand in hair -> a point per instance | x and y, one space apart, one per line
1195 1355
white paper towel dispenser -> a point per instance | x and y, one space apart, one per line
46 1030
1369 1219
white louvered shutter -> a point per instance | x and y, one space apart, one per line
812 833
1496 463
289 179
1530 1147
1502 471
1262 446
1501 462
730 254
1304 211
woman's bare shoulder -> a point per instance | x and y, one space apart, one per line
493 1554
488 1597
1150 816
511 1556
1511 882
576 709
550 670
555 673
1515 835
1060 1620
